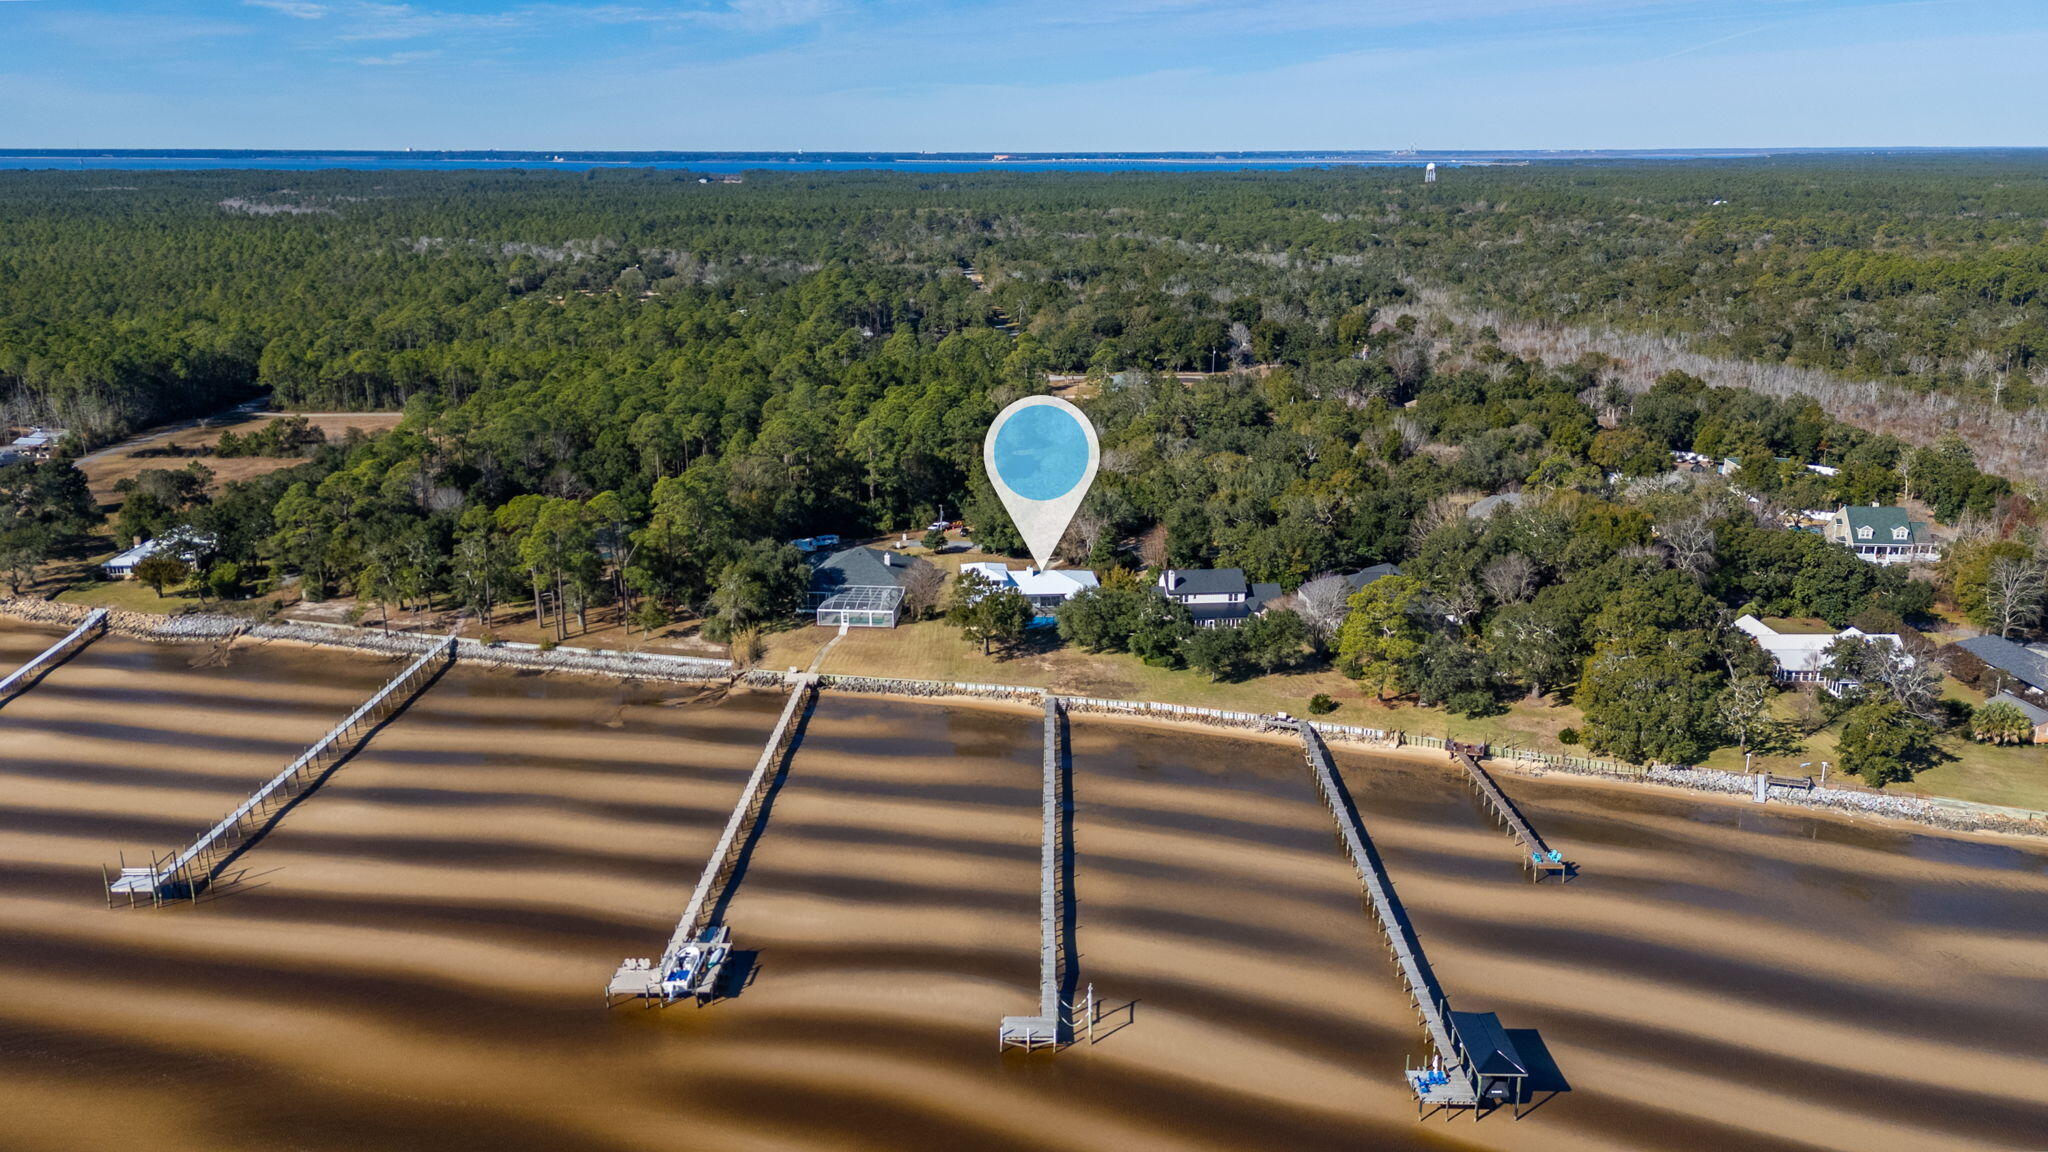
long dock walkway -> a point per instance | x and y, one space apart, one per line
698 948
1051 1027
1452 1079
1537 856
185 873
90 629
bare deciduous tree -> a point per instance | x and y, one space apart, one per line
1323 603
1413 438
1510 579
1691 541
922 586
1083 534
1436 514
2012 594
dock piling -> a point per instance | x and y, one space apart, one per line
1537 857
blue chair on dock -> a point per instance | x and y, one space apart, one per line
1557 858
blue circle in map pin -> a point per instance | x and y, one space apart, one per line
1041 452
1041 455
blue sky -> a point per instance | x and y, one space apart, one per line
1022 75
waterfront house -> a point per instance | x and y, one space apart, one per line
2014 663
1799 648
1883 534
191 547
1046 590
1216 597
122 567
860 587
2037 716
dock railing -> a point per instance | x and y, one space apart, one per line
185 872
91 628
1051 1027
1458 1087
1537 857
648 980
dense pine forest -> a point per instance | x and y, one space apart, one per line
629 388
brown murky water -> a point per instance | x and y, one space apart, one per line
414 958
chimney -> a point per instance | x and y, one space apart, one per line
888 559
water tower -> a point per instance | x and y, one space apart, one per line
1429 173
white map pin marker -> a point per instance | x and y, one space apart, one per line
1041 454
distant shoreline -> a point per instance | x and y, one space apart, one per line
289 159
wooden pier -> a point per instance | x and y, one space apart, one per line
1537 857
185 873
1459 1074
90 629
699 947
1051 1027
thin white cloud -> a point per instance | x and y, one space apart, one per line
761 14
299 9
398 59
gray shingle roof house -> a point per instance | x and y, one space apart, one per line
1487 506
2023 664
860 587
1883 534
1353 581
2035 714
1204 585
1216 596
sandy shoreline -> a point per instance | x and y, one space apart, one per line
1499 767
519 662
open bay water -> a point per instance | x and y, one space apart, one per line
728 163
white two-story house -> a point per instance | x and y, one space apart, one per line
1883 534
1216 596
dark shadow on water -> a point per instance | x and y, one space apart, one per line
1110 1021
741 966
1069 953
1545 1078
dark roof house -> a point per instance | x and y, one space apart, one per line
2023 664
1186 584
1354 581
1217 596
861 587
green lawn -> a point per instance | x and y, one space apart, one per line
934 650
2016 776
127 596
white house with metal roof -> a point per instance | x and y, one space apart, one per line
1046 589
1800 655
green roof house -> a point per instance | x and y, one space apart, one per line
1884 534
